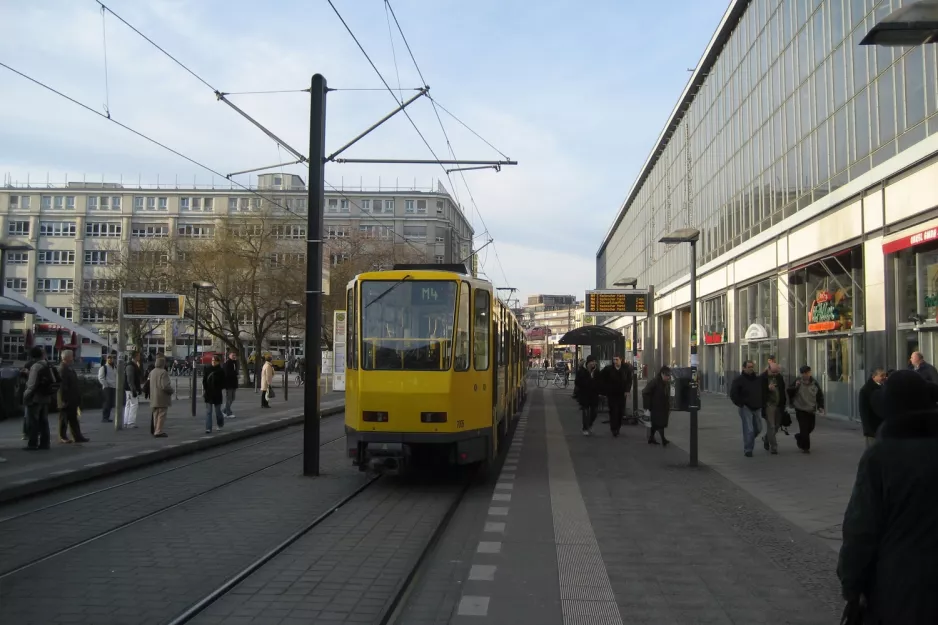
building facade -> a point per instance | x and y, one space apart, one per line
72 229
809 165
547 318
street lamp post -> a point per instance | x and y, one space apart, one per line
198 286
288 304
690 235
912 25
633 282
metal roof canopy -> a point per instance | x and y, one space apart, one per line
912 25
11 310
590 335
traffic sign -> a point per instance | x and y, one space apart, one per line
153 305
616 301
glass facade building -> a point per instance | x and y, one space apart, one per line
781 151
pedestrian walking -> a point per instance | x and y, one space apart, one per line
807 398
267 381
586 392
231 383
24 378
161 397
107 378
746 394
213 391
888 560
616 382
773 405
133 379
70 400
42 384
656 401
923 368
870 405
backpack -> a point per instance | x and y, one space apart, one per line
48 382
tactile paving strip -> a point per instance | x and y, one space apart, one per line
585 591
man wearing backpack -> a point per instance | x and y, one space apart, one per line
133 379
71 400
40 387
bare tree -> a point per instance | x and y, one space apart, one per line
361 251
255 264
141 265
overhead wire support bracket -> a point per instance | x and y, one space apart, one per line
249 171
278 140
404 161
421 92
497 167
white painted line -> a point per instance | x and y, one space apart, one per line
26 481
94 464
489 547
504 486
501 497
63 472
506 476
482 572
192 440
498 511
495 526
122 457
473 606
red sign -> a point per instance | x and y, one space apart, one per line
919 238
713 338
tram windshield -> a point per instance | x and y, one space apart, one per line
407 325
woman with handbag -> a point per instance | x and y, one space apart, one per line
267 381
888 562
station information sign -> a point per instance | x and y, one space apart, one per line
153 306
616 302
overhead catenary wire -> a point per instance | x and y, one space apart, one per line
107 87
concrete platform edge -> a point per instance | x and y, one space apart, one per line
53 482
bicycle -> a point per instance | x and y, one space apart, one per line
298 380
559 380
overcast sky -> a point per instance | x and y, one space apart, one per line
576 92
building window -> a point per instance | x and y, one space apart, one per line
18 229
96 257
14 346
56 257
287 259
337 259
57 228
101 285
418 233
55 285
409 206
438 259
98 315
758 321
343 205
104 203
139 203
70 202
196 204
366 206
422 206
193 231
375 232
91 202
389 206
290 232
102 229
17 258
332 205
440 240
149 231
19 202
439 207
66 312
337 232
16 284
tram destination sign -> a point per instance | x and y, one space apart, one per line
616 302
153 306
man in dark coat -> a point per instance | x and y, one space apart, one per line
656 400
617 382
924 368
889 555
746 394
773 404
213 390
586 391
231 383
871 406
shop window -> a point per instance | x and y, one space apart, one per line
828 294
906 286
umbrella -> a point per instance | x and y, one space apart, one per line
74 340
59 341
28 343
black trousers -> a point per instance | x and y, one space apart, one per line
616 411
806 423
110 397
589 415
68 418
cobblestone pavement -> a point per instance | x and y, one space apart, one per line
154 569
76 515
347 569
109 447
809 490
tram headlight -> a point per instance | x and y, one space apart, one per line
372 416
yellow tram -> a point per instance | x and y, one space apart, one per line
435 364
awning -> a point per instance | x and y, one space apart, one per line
11 310
590 335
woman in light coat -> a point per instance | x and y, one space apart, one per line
267 381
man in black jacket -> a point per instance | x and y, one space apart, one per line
586 391
617 379
773 404
746 394
231 383
870 405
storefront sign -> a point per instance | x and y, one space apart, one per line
715 338
918 238
755 332
824 314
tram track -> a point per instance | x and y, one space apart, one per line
154 512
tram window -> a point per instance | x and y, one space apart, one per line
481 336
407 324
461 355
351 339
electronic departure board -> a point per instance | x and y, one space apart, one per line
617 302
153 306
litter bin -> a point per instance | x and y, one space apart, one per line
680 389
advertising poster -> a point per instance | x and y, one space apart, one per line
339 325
